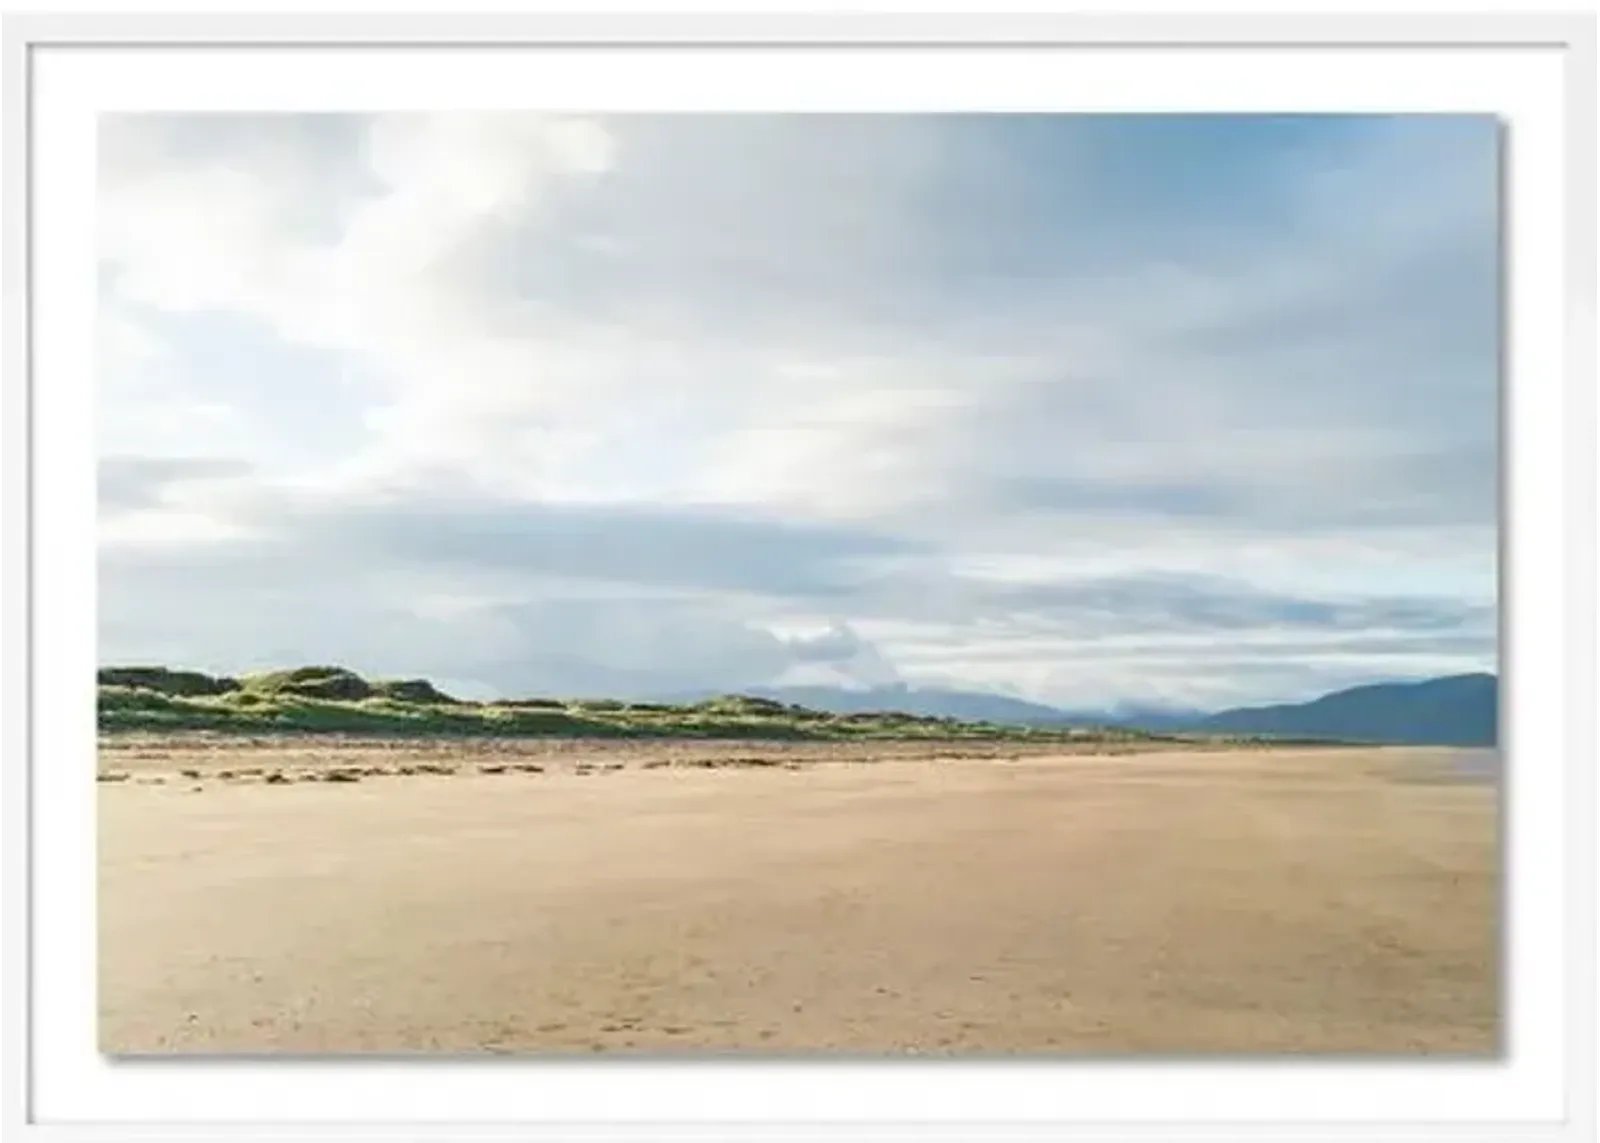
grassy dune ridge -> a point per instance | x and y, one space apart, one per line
325 699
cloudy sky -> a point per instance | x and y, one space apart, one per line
1086 409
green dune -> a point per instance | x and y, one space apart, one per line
328 699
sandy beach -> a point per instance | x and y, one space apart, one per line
575 898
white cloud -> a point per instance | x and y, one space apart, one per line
966 342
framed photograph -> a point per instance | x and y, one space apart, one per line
794 576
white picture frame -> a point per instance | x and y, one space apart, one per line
1548 612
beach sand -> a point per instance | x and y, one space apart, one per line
855 900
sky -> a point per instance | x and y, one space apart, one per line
1099 411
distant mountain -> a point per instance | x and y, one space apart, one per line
929 702
974 706
1461 710
1457 711
1161 720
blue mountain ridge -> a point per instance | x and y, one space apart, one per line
1457 710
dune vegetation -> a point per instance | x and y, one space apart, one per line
326 699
